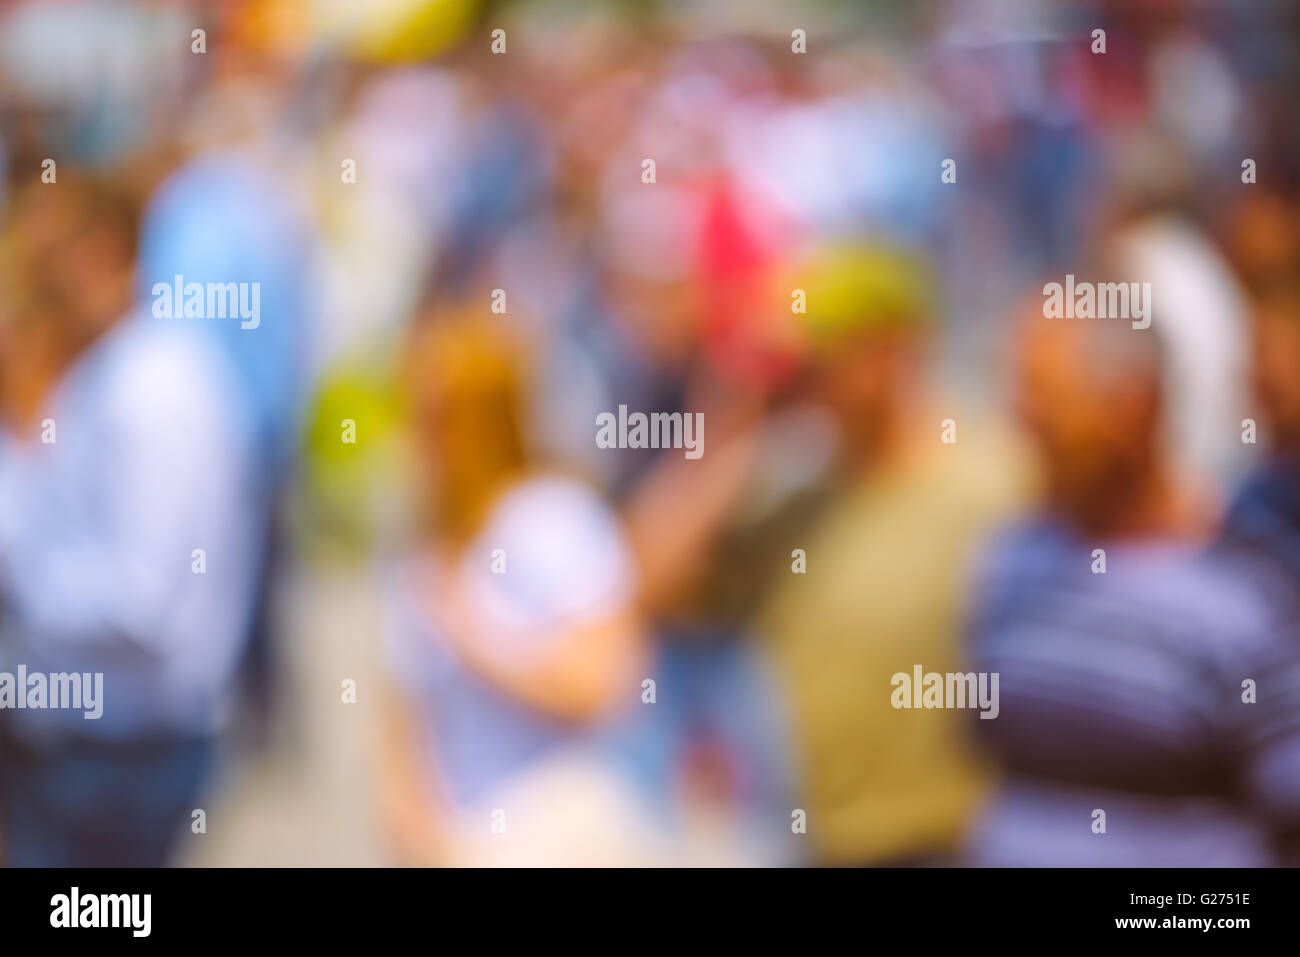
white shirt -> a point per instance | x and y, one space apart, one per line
98 531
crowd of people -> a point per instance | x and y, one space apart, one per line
285 285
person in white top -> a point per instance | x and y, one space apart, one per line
124 545
513 643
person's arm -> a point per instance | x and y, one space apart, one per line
583 671
558 630
676 514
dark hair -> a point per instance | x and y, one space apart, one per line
43 221
94 200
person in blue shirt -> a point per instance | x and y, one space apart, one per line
223 216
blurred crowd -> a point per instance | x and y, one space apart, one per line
470 229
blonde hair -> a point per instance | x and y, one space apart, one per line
466 378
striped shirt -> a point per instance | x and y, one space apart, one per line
1262 529
1127 692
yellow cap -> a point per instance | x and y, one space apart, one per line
859 286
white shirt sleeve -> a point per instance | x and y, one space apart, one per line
560 561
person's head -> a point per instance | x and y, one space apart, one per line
69 249
647 247
1275 365
869 318
1088 392
466 387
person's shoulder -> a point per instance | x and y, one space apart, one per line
550 498
1030 541
558 535
1020 557
1264 501
1211 599
1206 575
987 473
151 368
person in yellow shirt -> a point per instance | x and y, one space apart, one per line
914 485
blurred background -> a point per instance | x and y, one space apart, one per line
366 590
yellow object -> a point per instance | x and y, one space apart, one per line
893 556
855 287
395 31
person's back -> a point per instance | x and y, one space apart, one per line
1149 713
